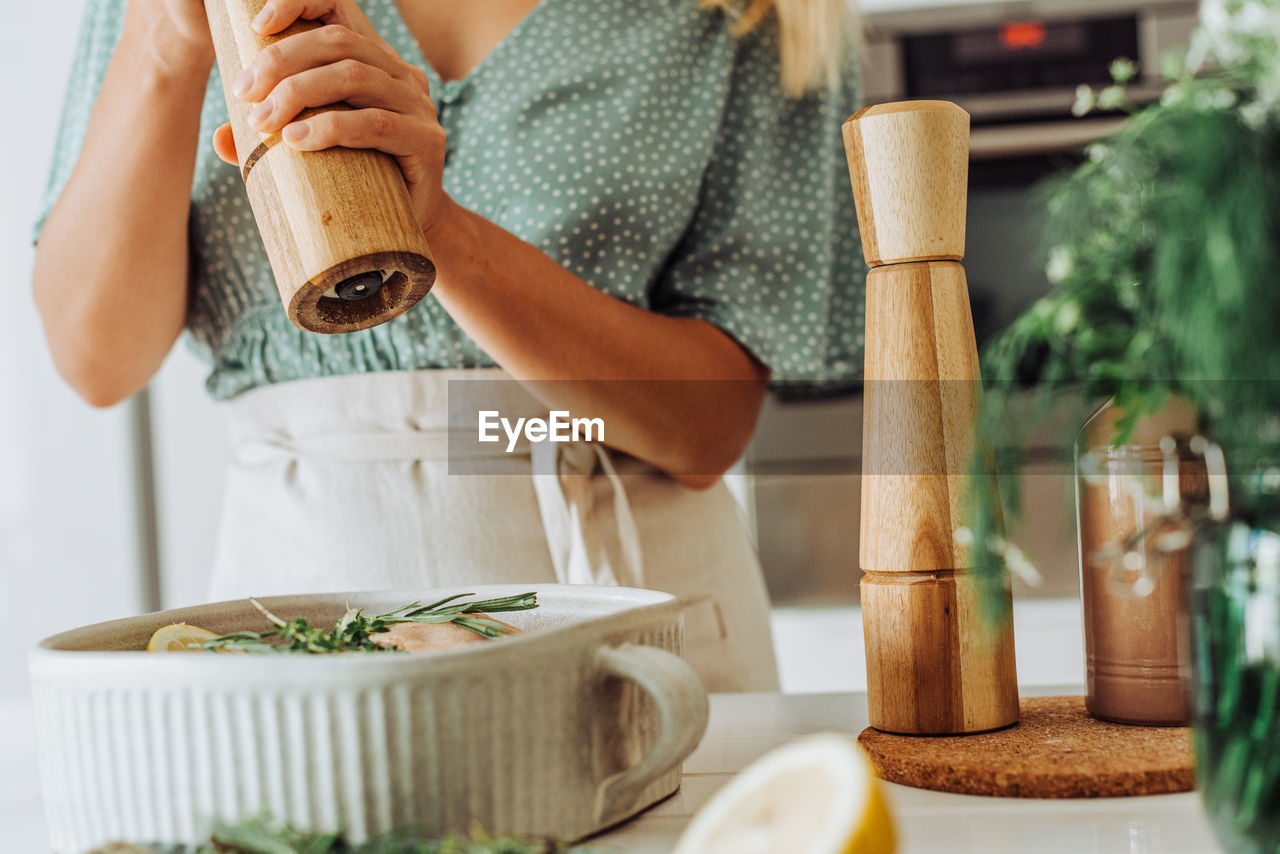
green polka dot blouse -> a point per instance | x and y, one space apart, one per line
637 142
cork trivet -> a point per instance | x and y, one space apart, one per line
1056 751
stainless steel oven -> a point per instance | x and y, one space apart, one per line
1015 66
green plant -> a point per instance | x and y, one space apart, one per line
1163 248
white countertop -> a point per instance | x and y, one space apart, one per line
744 726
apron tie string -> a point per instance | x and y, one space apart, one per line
564 479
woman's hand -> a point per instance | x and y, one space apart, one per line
344 60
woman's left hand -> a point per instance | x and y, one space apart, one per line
343 60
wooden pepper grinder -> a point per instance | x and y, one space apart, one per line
344 245
935 664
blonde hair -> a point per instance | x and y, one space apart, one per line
815 37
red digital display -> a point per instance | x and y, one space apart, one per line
1023 35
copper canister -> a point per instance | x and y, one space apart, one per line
1134 590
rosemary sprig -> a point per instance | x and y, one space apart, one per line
354 630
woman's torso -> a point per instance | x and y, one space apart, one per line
638 142
586 132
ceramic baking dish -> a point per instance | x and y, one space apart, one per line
563 731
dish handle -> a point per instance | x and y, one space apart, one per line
681 702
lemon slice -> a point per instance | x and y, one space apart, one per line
179 637
817 795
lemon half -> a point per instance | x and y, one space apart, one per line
817 795
179 637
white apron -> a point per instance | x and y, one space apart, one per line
343 484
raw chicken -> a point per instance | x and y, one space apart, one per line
431 637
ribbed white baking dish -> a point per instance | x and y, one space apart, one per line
563 731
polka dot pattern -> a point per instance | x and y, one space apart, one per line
637 142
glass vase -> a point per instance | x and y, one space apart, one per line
1236 662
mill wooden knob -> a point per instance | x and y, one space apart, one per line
910 168
345 247
935 664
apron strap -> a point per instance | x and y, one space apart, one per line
564 479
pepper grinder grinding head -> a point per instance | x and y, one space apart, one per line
344 245
935 663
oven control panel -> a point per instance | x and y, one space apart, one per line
1015 66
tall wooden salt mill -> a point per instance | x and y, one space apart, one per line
935 663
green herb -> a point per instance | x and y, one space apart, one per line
261 836
258 836
354 630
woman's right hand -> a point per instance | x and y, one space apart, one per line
177 33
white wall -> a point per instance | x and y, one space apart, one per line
191 449
68 549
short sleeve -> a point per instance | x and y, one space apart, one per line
772 256
99 32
